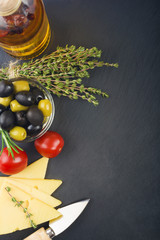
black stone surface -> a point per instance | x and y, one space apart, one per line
112 152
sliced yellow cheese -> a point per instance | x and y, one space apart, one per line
35 170
45 185
13 218
35 193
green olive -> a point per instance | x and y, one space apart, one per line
16 106
5 101
21 86
46 107
18 133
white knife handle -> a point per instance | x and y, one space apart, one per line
39 235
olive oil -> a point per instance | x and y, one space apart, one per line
26 32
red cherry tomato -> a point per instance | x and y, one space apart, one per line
9 166
50 144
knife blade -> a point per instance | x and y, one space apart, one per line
69 214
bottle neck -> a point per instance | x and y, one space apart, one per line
8 7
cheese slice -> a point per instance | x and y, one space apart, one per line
35 193
35 170
13 218
45 185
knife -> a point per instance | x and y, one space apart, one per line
69 214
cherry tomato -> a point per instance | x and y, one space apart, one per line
50 144
9 166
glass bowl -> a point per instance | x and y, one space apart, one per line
48 120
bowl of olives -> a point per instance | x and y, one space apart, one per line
26 109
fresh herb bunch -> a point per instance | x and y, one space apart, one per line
20 204
62 72
9 143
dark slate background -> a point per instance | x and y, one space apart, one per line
111 152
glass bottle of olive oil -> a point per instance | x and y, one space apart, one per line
24 28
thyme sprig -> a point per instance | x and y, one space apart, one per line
62 72
6 140
20 204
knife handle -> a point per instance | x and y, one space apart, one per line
39 235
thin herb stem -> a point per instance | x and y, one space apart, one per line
19 204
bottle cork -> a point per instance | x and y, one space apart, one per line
8 7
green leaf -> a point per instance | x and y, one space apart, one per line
100 64
8 189
13 199
75 97
99 92
29 215
24 65
33 224
25 210
95 103
83 97
60 85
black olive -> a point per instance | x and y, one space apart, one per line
25 98
2 108
35 116
33 130
21 118
6 88
38 94
7 120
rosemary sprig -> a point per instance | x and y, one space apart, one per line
9 143
19 204
62 72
